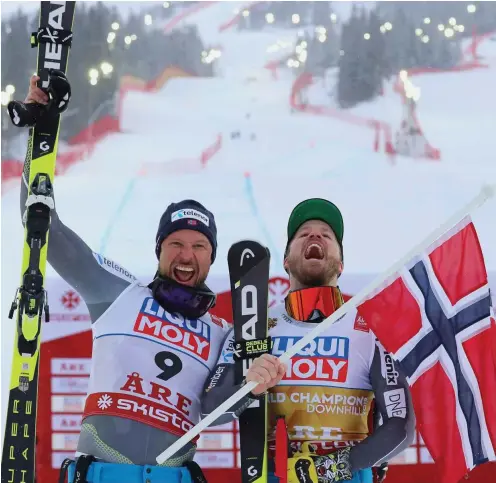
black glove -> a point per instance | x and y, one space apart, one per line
59 92
59 95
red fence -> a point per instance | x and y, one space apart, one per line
83 144
305 79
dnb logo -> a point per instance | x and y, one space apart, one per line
323 359
189 335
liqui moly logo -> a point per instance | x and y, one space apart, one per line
323 359
189 335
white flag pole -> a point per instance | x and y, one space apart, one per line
486 193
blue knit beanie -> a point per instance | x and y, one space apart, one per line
187 215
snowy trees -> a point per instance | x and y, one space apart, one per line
111 46
393 37
363 62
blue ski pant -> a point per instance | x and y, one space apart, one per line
118 473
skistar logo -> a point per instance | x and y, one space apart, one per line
323 359
137 385
190 335
149 403
104 402
70 300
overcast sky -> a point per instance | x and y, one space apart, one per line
8 8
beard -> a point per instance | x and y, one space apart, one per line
313 273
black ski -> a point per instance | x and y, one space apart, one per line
249 274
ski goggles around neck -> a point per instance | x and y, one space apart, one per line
301 304
190 302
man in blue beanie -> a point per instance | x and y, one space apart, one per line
186 246
154 346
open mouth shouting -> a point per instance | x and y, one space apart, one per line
314 251
184 273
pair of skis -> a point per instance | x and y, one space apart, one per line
248 263
53 41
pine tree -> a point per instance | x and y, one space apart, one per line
332 46
344 92
427 49
350 79
17 69
398 40
302 10
257 19
18 65
145 57
94 23
485 17
375 55
357 62
448 54
321 13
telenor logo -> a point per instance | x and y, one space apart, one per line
113 267
189 213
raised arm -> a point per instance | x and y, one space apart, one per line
97 279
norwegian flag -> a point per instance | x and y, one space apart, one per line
435 317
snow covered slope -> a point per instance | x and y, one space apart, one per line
455 110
